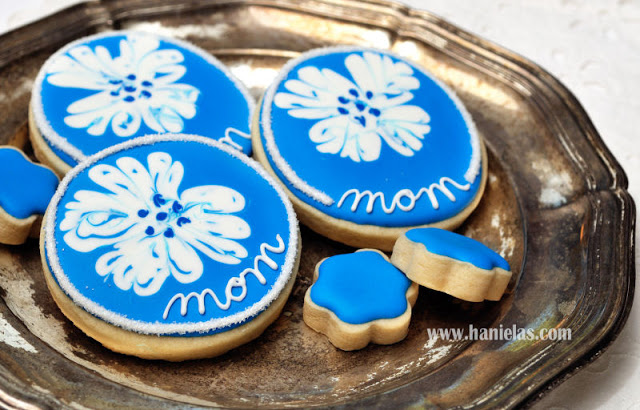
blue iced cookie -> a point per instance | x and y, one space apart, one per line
104 89
155 253
25 192
452 263
369 144
359 298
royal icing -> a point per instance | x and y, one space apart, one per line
361 287
459 247
368 137
101 90
152 237
26 187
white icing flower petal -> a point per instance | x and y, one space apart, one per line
95 219
399 76
313 113
165 173
310 111
168 75
217 248
406 113
115 263
315 95
63 64
362 73
184 262
142 44
213 199
87 59
142 186
330 134
94 102
67 72
365 147
335 83
228 226
126 123
109 67
303 107
170 119
151 121
136 46
178 97
162 61
383 102
325 80
403 128
114 180
86 201
97 229
404 143
139 264
301 88
181 92
95 121
380 74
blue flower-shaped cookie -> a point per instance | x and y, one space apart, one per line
452 263
359 298
25 192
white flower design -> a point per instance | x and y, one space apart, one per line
138 85
154 231
355 116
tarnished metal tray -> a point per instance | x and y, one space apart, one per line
556 207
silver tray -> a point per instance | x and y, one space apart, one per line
556 206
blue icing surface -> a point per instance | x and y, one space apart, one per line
26 188
365 120
143 225
361 287
115 86
458 247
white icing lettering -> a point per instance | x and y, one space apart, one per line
405 199
235 282
227 137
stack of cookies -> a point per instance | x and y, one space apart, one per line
165 240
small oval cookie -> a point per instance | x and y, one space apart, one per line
25 192
452 263
154 252
103 89
359 298
368 145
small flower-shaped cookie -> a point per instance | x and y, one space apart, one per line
25 192
451 263
359 298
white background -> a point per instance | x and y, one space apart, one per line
593 47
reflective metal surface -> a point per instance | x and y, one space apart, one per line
556 206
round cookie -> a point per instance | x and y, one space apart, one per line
452 263
103 89
153 252
25 192
368 145
359 298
